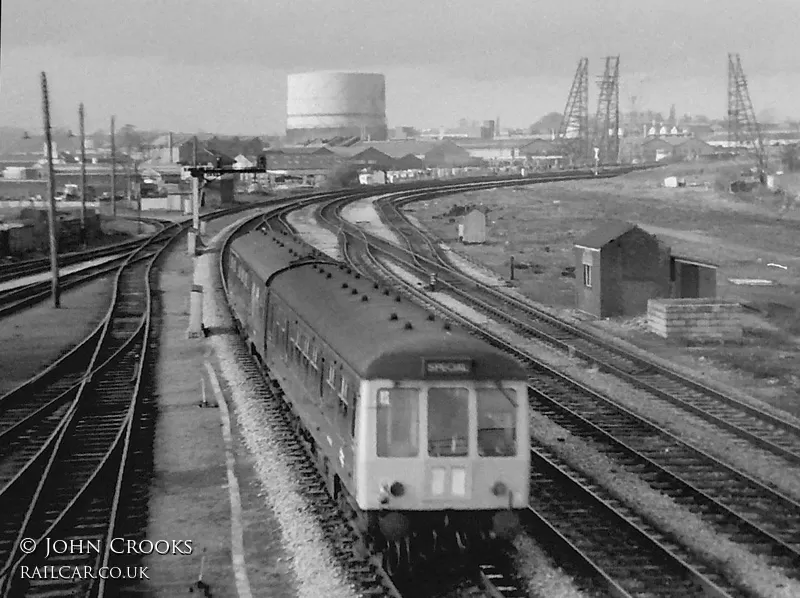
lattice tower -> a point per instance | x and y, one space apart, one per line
607 121
573 132
743 129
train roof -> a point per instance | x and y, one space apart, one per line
354 315
267 253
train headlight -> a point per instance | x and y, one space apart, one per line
383 494
458 481
397 489
499 489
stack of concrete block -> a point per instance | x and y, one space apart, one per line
695 319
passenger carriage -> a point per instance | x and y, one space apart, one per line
420 429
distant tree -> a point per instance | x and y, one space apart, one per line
790 156
252 147
129 138
343 176
549 122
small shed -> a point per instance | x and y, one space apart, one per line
692 279
618 268
475 227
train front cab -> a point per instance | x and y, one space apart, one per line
458 446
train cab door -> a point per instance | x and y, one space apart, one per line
257 315
287 344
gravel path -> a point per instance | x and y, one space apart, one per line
188 498
363 213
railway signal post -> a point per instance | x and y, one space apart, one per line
195 230
199 174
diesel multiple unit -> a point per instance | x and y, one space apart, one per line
420 429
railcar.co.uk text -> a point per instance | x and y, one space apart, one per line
118 546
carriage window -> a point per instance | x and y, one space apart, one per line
497 417
353 418
397 422
314 357
332 375
448 422
343 391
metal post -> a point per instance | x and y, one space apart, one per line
196 328
83 173
138 191
195 230
113 172
129 186
51 192
511 264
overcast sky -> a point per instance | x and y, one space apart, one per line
191 65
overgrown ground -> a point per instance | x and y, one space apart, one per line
538 225
113 231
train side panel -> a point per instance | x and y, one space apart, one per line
248 295
324 393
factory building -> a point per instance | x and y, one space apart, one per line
325 105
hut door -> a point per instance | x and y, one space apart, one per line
690 281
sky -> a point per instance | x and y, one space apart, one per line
198 65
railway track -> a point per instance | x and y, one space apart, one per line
764 536
17 269
81 463
18 298
762 429
74 463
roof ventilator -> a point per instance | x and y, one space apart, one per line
446 326
408 326
328 275
397 298
354 292
393 316
431 317
364 298
345 285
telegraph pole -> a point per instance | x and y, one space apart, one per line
51 192
137 189
83 173
113 172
